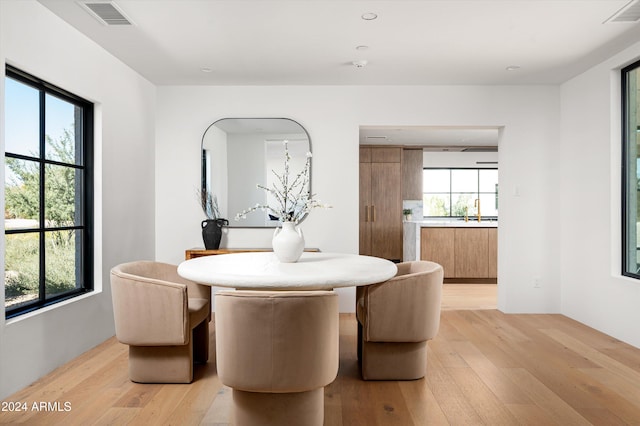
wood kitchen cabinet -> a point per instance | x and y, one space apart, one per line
493 252
462 252
472 248
438 245
412 164
381 202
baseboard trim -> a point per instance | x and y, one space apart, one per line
471 281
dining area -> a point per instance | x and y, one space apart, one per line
119 334
276 325
270 318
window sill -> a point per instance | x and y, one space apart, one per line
46 309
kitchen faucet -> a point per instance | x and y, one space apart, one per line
477 205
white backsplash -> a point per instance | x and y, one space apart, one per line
415 206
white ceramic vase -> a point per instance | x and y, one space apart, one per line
288 242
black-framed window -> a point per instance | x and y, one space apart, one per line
48 194
456 192
631 170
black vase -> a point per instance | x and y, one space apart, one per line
212 232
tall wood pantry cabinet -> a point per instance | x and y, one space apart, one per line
381 202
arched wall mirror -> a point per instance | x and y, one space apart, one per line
239 153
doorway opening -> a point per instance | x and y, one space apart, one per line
445 173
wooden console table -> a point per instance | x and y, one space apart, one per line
199 252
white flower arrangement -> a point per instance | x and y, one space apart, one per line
292 197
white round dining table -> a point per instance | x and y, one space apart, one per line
263 271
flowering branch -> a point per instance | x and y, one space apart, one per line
293 200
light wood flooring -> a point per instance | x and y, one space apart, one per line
469 296
484 368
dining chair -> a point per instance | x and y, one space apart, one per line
164 319
277 350
396 318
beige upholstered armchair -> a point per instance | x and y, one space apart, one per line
277 350
163 318
395 320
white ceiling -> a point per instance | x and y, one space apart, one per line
311 42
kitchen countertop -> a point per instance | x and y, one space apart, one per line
411 232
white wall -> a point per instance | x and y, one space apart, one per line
246 167
460 159
332 116
593 289
36 41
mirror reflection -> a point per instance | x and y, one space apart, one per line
239 153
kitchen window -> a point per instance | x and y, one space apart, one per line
457 192
48 194
630 170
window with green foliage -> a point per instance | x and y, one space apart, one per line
458 192
631 170
48 194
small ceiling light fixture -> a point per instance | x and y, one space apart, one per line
206 69
360 64
362 48
370 16
513 68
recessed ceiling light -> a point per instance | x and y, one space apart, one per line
362 47
369 16
206 69
512 68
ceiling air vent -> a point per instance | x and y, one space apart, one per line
106 12
629 13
